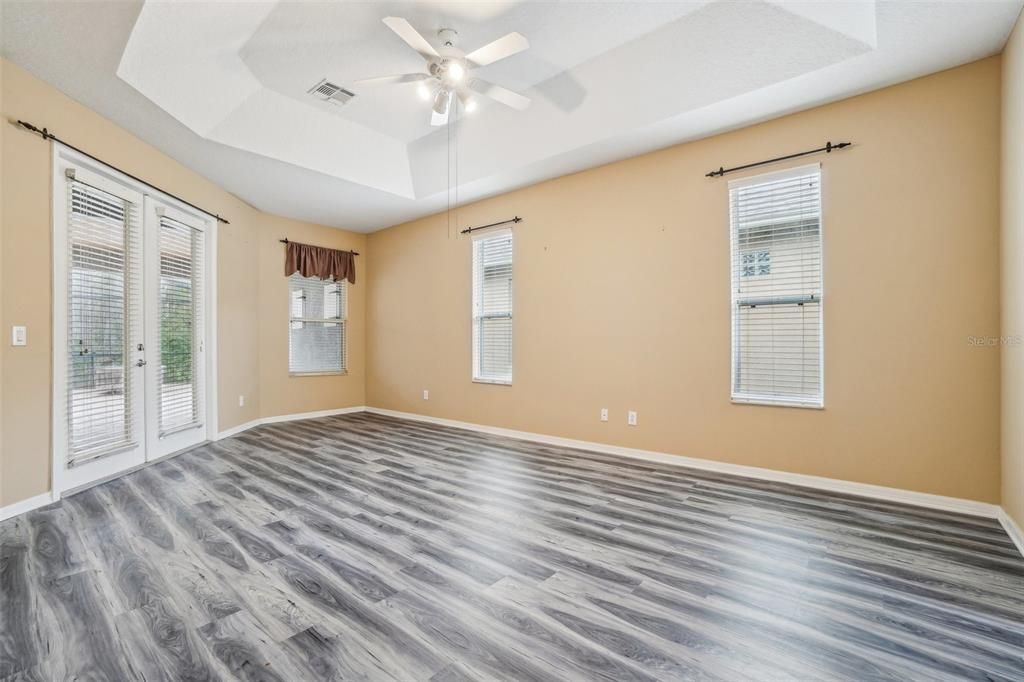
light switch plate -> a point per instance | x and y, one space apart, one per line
19 336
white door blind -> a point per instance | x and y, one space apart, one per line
492 307
104 300
776 288
181 329
316 326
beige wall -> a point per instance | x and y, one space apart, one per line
1013 274
622 299
3 192
280 393
251 327
621 295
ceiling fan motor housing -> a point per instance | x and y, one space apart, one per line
439 69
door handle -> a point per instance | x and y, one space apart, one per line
140 363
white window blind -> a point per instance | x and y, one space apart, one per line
492 307
104 293
181 333
316 326
776 288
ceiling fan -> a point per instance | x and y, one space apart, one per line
448 70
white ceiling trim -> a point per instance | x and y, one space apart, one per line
189 63
221 86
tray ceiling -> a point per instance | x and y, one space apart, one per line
222 87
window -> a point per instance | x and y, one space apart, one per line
776 288
104 281
181 315
492 307
316 325
757 263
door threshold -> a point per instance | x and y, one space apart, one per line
137 467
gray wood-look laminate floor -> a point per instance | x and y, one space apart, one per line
369 548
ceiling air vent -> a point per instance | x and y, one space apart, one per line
329 92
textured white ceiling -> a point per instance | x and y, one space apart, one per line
221 86
300 43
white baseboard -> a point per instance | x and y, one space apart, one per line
1012 529
44 499
227 433
952 504
27 505
941 502
287 418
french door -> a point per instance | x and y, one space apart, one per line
130 325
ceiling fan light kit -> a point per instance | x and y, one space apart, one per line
448 70
441 101
454 71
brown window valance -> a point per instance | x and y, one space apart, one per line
317 261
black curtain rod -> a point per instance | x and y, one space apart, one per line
827 149
354 253
47 135
517 219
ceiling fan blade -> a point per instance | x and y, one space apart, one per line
401 78
500 94
505 46
411 36
442 107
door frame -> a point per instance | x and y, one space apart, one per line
62 156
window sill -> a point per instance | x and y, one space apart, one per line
318 374
493 382
766 402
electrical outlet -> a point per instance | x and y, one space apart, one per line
241 401
604 414
426 394
631 418
19 336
